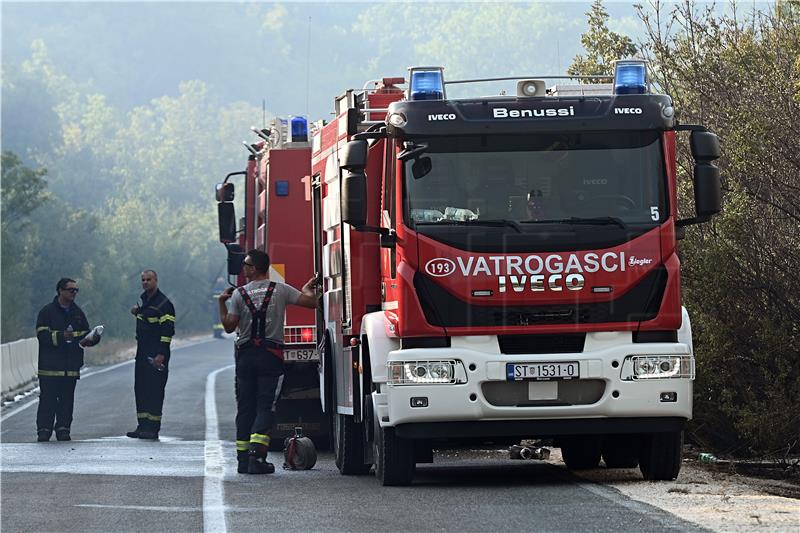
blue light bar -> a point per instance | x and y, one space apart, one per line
426 84
630 77
299 128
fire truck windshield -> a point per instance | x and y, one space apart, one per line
517 183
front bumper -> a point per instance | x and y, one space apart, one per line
598 399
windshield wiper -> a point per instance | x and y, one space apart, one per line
496 223
598 221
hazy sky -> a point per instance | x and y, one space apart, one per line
295 56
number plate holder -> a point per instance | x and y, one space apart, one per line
562 370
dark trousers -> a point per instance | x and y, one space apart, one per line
56 400
259 378
148 386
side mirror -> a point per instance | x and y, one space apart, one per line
707 190
421 167
227 222
354 198
704 145
235 257
353 155
224 192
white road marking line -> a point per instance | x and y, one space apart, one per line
213 499
141 508
94 373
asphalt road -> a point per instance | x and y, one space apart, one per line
187 481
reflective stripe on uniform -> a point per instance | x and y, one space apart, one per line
42 328
152 319
148 416
166 339
242 445
167 318
60 373
79 333
260 438
55 338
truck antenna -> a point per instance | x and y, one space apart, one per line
264 112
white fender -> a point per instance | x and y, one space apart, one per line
374 329
685 331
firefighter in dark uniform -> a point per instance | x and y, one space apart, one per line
258 310
61 328
155 326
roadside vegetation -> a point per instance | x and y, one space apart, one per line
738 74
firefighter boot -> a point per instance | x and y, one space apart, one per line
44 435
243 460
62 434
135 433
257 462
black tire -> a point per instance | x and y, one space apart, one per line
581 453
660 456
394 458
621 451
349 446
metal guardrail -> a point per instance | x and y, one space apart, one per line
19 362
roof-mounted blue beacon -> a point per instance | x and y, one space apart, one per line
630 76
427 83
299 129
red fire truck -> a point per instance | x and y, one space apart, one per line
505 267
277 219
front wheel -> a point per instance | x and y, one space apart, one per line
394 458
660 455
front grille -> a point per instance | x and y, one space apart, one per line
524 344
640 303
570 392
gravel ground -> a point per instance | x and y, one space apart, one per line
714 499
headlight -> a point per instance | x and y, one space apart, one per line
426 372
637 367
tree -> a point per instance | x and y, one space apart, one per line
738 75
23 191
602 46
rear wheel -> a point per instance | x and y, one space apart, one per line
621 451
660 455
349 446
580 453
394 458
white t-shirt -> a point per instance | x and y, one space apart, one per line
282 296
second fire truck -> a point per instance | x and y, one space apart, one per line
277 200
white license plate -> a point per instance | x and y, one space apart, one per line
542 371
309 354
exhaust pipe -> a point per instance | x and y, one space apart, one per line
526 452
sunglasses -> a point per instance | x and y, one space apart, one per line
73 290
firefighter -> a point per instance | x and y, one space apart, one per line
155 326
61 328
258 310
